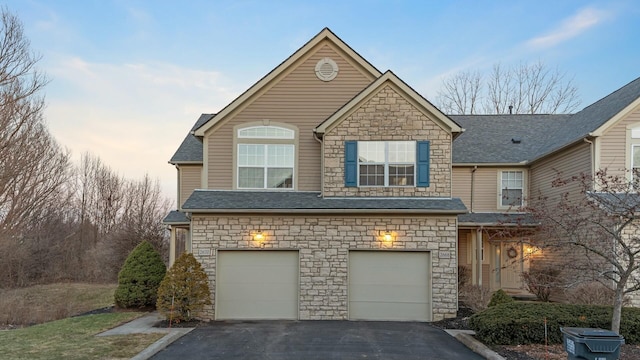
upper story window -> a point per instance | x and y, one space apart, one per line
265 158
386 163
511 188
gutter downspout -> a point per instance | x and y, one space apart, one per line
473 178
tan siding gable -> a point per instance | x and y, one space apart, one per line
615 148
190 179
570 162
298 98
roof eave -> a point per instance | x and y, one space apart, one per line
176 222
617 117
494 224
326 211
522 163
185 162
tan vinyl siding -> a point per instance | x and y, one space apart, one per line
485 192
190 179
615 146
570 162
461 184
297 98
486 183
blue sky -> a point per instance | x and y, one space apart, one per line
129 78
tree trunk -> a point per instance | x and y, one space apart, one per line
617 307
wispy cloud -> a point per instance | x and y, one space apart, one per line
571 27
134 116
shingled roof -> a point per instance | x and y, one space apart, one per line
298 201
190 151
488 138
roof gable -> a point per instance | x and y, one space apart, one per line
190 150
283 68
389 78
609 110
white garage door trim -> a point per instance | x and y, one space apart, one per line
257 285
390 285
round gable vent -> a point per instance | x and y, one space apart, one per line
326 69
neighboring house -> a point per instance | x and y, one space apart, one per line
502 160
330 190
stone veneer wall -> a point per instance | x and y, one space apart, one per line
387 116
324 243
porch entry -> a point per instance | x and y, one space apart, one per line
507 265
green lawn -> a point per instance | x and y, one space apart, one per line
74 338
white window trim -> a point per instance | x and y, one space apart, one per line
631 165
386 165
265 167
524 189
290 133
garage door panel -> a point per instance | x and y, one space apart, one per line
257 285
385 285
392 293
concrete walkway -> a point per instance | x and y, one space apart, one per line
145 325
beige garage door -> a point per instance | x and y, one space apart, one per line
257 285
388 285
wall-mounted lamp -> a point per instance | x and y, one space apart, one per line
387 236
259 236
530 249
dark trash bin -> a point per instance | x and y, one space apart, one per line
591 344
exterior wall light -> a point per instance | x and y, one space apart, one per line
387 236
259 236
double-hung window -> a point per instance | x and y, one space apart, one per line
386 163
511 188
635 166
265 158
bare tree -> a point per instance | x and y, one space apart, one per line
33 167
527 88
598 232
461 93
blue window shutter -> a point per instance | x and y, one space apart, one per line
350 163
422 162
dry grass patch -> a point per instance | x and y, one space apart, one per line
75 338
42 303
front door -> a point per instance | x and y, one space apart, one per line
507 264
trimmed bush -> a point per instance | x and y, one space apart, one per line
186 286
523 322
500 297
139 278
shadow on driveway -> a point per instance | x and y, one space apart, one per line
317 340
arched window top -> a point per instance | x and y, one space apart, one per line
266 132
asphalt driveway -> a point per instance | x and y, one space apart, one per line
316 340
